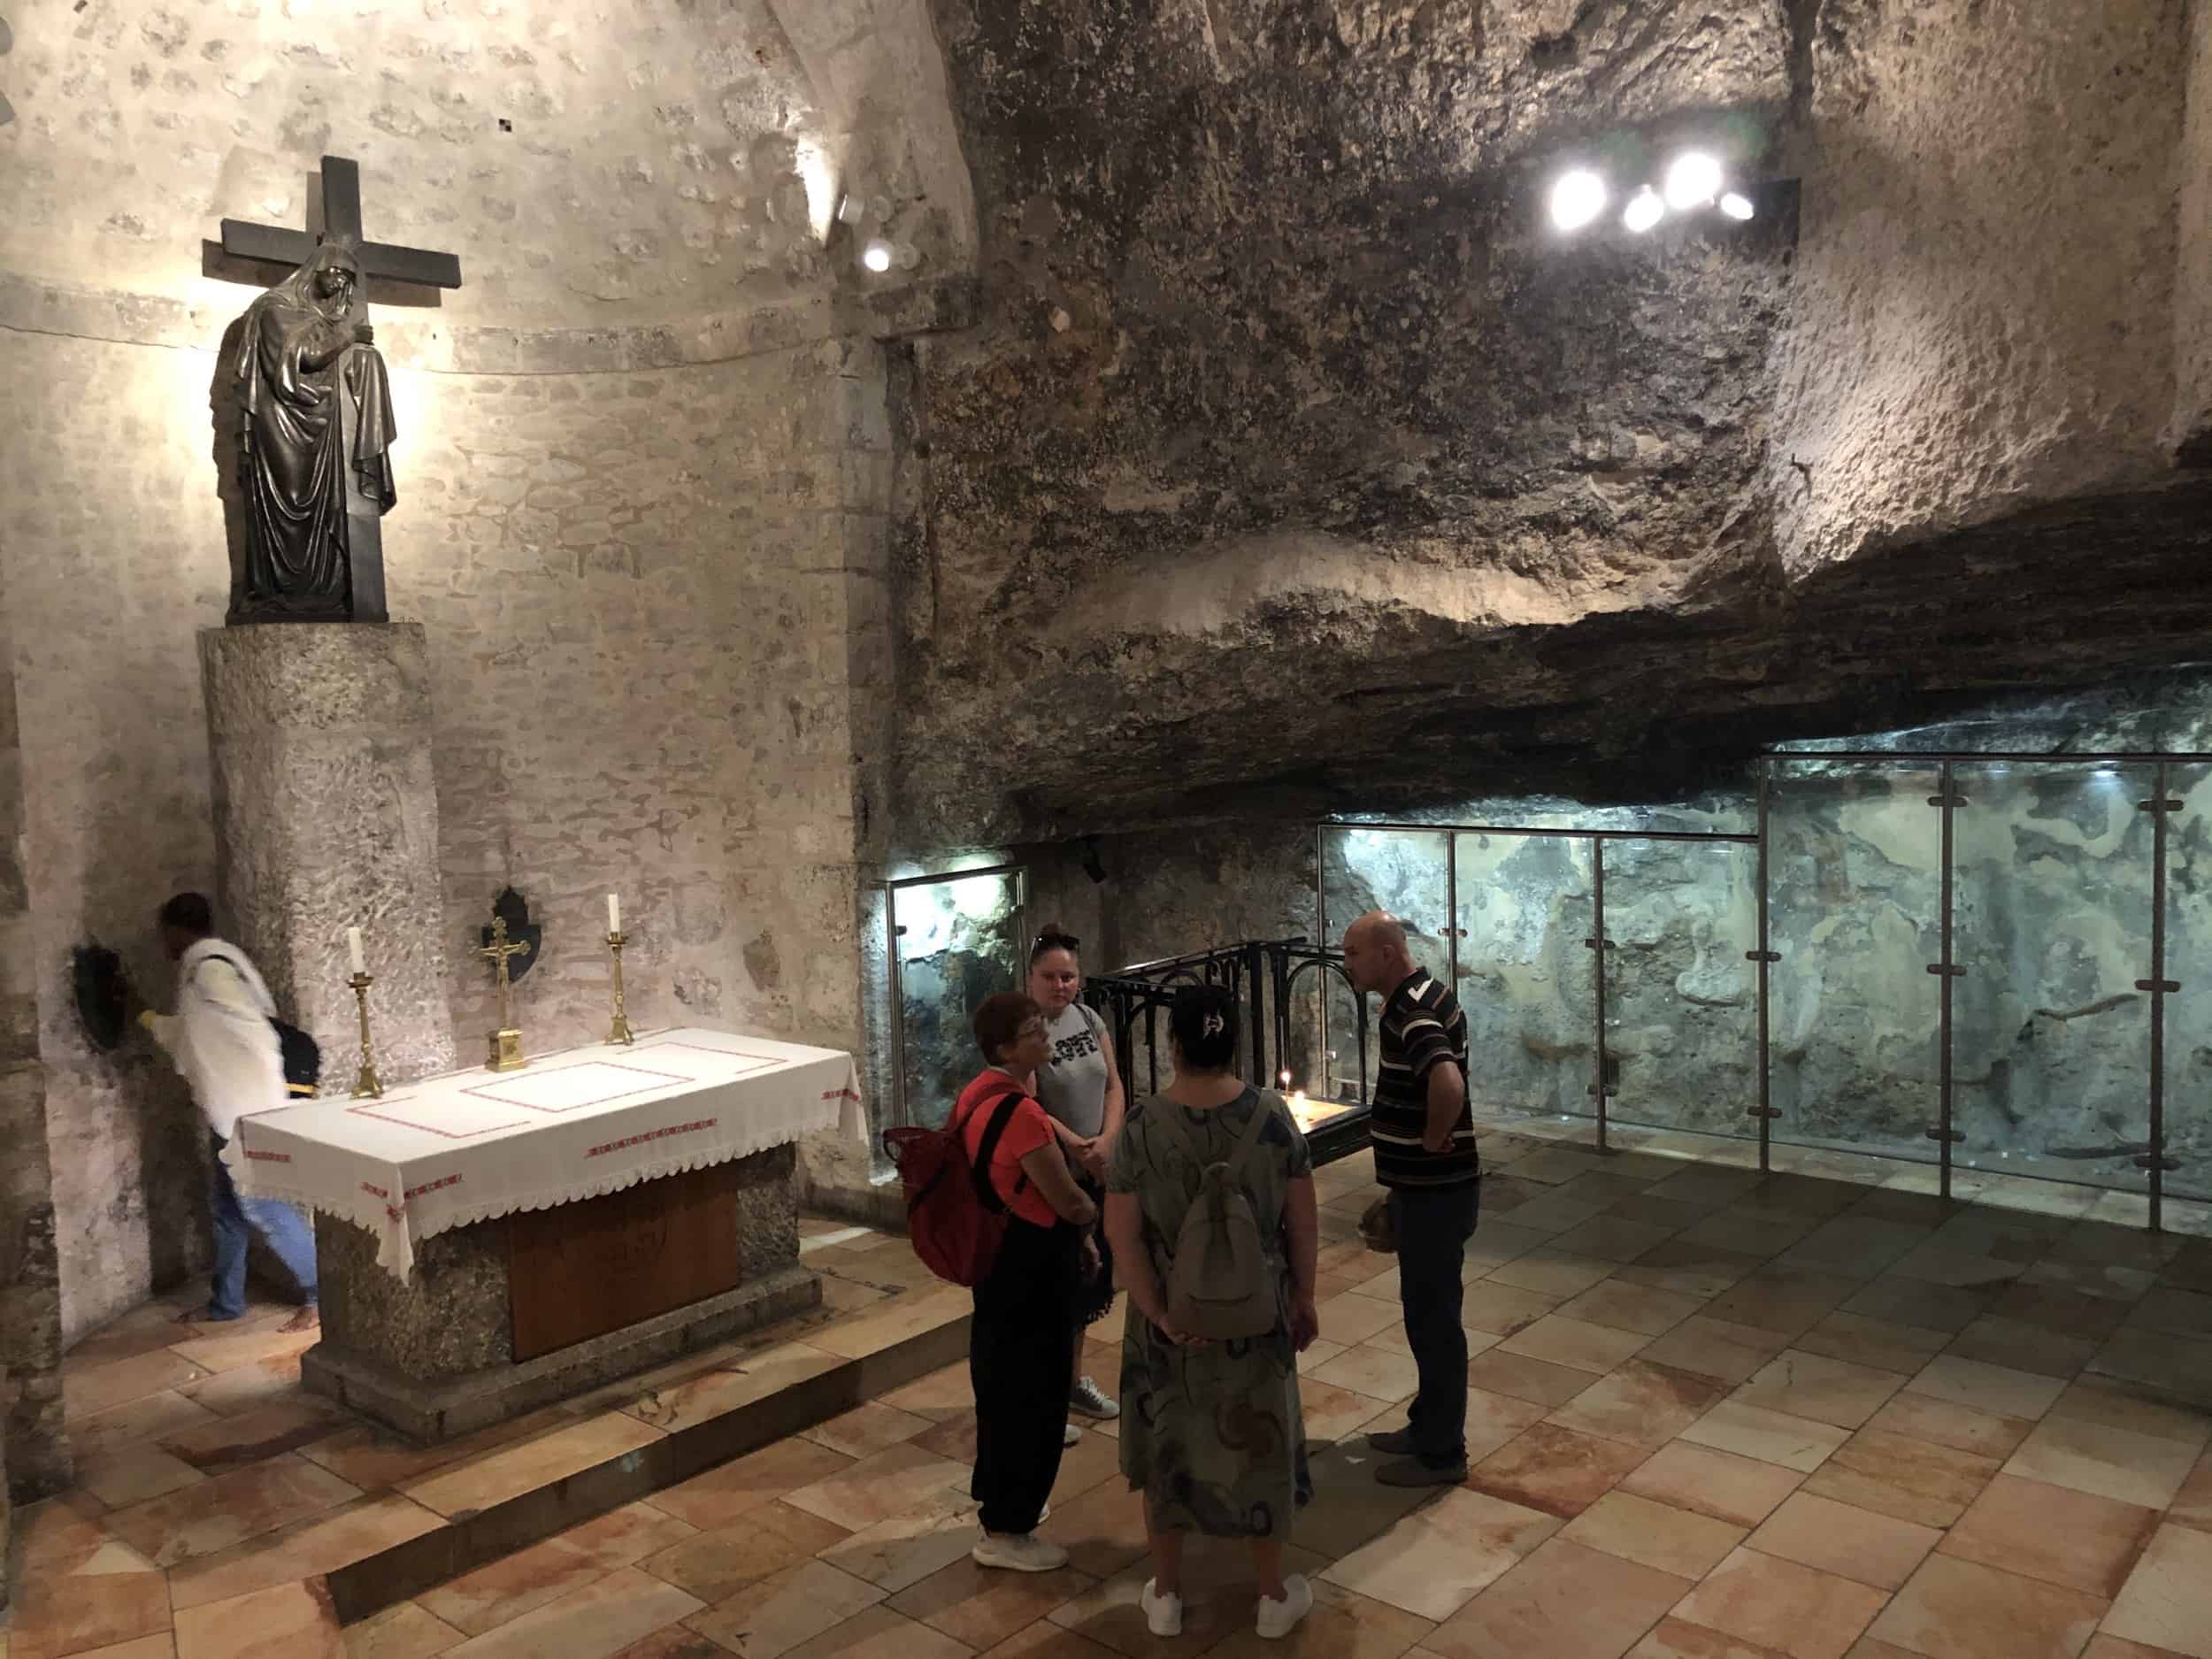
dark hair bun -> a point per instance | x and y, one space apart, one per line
1204 1021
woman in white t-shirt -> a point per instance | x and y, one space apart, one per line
1080 1087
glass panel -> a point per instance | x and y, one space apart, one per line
1407 873
2189 960
1525 979
2051 914
1854 853
1682 1009
957 941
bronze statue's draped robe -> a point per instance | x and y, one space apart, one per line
296 359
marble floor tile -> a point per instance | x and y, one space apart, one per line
879 1633
1773 1437
1794 1609
2024 1347
1332 1413
1625 1306
2054 1533
877 1488
527 1465
224 1444
2107 1646
901 1550
1497 1242
1320 1349
141 1419
2116 1464
309 1548
1640 1404
1895 1475
954 1439
1747 1234
1832 1391
55 1614
1673 1638
1704 1185
773 1538
1565 1601
227 1347
404 1632
1103 1530
1963 1610
2192 1504
1349 1507
288 1621
2117 1405
2179 1366
1352 1318
55 1534
719 1497
1502 1309
1855 1246
2167 1602
2068 1312
249 1387
1842 1539
1719 1349
1108 1613
373 1459
596 1622
1909 1300
1524 1378
737 1382
1342 1625
1493 1420
1607 1187
1558 1341
1434 1562
1680 1541
99 1388
1962 1428
867 1429
1741 1491
981 1607
1882 1343
216 1514
1551 1272
1959 1269
1786 1301
134 1475
2179 1312
903 1317
1554 1470
1612 1237
1670 1213
504 1590
1687 1269
1376 1372
1997 1388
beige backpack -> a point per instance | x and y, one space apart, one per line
1224 1281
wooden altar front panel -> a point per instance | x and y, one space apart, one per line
579 1270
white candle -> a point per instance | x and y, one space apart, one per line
614 912
353 950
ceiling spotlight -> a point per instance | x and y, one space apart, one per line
877 256
1577 199
1693 181
1644 210
1736 204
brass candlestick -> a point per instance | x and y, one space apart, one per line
618 1031
366 1083
506 1042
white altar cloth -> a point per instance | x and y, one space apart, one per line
445 1151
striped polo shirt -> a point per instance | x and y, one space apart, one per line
1422 1024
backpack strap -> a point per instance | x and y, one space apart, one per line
987 1148
1263 1114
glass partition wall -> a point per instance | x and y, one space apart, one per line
954 940
1997 964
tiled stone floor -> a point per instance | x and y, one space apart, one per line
1818 1414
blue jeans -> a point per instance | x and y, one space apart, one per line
283 1228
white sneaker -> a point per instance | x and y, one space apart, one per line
1087 1398
1072 1435
1025 1553
1278 1619
1162 1614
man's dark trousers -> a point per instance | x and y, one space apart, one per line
1433 1225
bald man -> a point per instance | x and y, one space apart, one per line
1424 1154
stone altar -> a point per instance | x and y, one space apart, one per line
489 1244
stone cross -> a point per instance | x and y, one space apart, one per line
275 245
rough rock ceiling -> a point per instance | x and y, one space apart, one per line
1293 465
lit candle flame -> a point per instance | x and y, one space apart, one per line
1283 1077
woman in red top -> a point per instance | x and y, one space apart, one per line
1021 1361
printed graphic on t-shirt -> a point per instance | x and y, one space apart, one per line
1068 1049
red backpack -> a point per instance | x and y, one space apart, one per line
953 1217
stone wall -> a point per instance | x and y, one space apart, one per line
2191 432
655 611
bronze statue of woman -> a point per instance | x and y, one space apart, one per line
316 402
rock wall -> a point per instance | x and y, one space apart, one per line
656 620
2190 435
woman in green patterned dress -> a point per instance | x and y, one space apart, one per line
1211 1432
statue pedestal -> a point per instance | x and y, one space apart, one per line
327 818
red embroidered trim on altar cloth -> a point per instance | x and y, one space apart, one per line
413 1193
840 1093
654 1134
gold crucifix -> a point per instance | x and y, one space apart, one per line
506 1042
